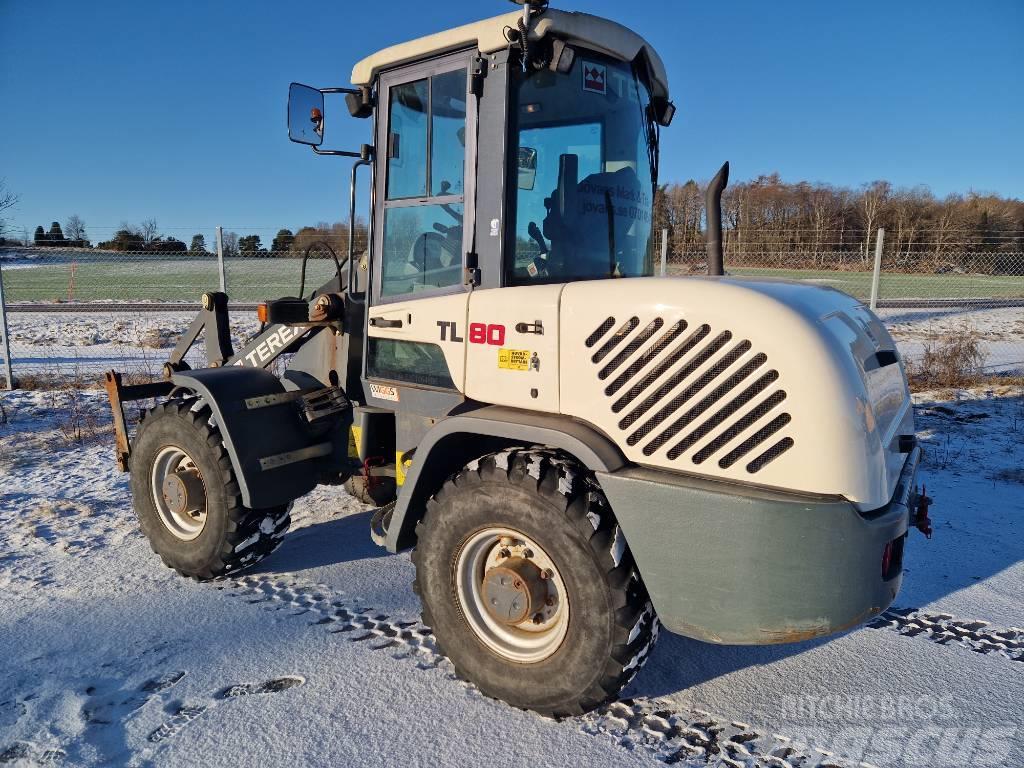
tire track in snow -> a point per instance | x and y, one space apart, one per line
672 736
945 629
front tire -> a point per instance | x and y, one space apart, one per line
187 498
528 584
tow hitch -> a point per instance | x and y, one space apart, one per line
919 514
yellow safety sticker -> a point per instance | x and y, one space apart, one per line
402 465
514 359
355 436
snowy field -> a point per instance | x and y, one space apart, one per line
139 342
90 343
316 658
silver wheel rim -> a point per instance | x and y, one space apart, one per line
182 525
530 641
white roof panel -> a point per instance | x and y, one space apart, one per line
489 36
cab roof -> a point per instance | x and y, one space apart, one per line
489 36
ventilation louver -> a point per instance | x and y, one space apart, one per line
660 405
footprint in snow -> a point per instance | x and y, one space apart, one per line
27 753
109 708
183 714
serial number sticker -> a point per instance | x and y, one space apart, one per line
384 392
514 359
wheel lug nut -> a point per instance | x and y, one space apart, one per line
504 553
547 573
538 618
527 553
549 600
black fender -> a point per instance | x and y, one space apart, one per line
275 458
457 440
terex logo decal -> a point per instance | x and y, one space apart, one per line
595 77
479 333
274 343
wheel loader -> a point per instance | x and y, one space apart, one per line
577 452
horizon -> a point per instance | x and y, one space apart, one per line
136 131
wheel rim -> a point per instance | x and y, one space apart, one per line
541 633
187 520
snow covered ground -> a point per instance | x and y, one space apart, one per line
1000 332
316 657
90 343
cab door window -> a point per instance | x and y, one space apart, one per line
422 244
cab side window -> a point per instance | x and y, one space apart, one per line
423 206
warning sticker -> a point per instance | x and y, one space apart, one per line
384 392
355 437
595 77
514 359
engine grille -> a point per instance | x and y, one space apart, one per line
647 365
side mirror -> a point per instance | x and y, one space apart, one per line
664 110
305 115
527 167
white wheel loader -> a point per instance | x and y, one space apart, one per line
577 452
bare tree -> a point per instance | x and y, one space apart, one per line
149 230
230 243
7 200
872 203
823 212
74 228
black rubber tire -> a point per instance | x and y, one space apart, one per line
553 500
234 537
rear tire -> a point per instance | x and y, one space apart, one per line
547 506
222 535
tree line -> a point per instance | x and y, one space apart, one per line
146 238
765 220
823 225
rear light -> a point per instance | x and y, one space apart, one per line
892 558
886 560
261 313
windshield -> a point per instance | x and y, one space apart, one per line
585 185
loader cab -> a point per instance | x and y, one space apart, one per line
497 164
511 178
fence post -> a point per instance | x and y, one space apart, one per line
220 260
664 252
6 338
876 275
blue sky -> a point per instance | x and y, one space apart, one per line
122 111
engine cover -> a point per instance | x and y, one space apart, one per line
776 383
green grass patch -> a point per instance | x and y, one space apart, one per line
161 279
901 286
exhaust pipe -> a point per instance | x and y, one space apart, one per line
713 213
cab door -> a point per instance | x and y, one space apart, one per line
426 142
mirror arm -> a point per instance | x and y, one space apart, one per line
335 152
365 152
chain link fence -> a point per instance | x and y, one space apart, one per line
79 312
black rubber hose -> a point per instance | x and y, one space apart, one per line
305 258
